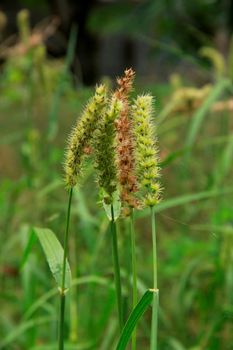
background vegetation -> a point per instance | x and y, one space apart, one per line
187 64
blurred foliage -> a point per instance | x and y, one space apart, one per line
181 23
195 219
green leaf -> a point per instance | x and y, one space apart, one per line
28 248
54 255
134 317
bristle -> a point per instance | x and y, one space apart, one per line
104 149
79 140
125 143
146 153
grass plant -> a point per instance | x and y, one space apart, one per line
112 160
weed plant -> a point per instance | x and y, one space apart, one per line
126 161
194 220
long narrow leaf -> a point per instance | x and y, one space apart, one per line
54 255
134 317
28 248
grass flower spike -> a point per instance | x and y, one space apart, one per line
145 151
104 149
79 141
78 147
149 188
103 143
125 143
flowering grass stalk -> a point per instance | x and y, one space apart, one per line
149 188
146 152
103 144
78 147
121 138
126 170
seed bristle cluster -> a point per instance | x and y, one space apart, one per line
125 143
104 149
146 152
80 138
122 139
125 85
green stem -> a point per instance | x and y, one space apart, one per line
62 290
134 271
155 303
116 268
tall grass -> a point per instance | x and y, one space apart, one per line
195 251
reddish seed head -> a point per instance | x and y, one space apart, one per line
125 148
125 84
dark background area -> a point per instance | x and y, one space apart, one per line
148 35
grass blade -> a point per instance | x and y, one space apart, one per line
54 255
28 248
133 319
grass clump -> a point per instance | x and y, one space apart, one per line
126 160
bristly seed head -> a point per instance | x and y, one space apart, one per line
125 143
125 85
146 152
122 141
104 149
79 140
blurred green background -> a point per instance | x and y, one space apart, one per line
52 54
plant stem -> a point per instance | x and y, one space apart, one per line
134 272
155 303
62 290
116 268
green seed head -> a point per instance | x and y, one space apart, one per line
146 153
80 138
104 148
